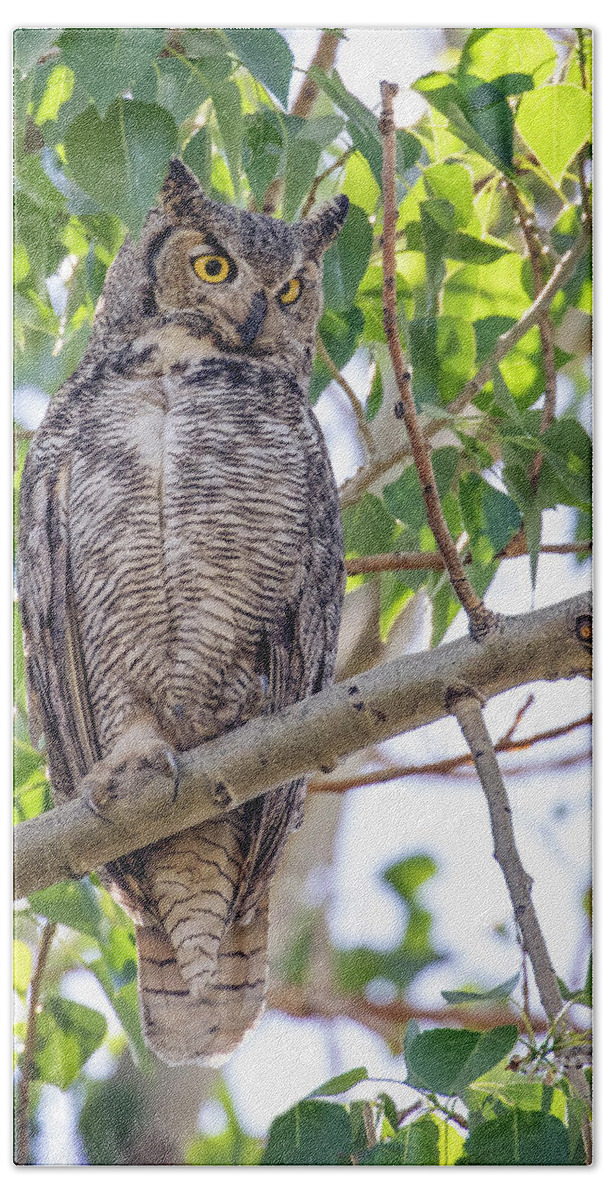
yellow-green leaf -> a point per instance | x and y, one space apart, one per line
555 122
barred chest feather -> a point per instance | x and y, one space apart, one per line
194 523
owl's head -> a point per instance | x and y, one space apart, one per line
244 282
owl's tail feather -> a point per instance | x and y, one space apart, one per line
202 971
205 1027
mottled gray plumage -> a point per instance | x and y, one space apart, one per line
181 571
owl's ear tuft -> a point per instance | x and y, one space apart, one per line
320 230
181 189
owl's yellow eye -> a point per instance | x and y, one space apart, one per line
212 268
291 291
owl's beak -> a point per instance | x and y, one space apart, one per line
254 320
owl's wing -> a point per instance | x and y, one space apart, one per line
297 655
58 701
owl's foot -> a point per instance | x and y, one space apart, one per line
132 763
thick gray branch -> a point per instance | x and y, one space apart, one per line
404 694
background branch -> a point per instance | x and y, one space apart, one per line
405 693
429 560
27 1058
446 766
363 428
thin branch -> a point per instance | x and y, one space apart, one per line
390 1018
467 708
29 1049
481 620
446 766
362 425
429 560
402 694
334 166
545 329
354 488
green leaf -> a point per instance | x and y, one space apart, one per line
448 1060
58 90
121 161
340 1083
22 966
197 155
500 992
266 55
467 123
555 122
490 115
454 183
181 88
340 334
262 150
374 400
464 248
442 351
74 904
518 1138
362 124
314 1133
66 1035
493 53
345 262
300 169
109 62
359 184
227 105
416 1146
369 527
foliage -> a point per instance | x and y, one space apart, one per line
470 1110
98 115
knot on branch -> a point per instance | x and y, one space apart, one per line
584 629
483 623
457 692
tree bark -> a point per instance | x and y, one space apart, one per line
405 694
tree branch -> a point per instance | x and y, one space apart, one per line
446 766
467 708
481 620
404 694
429 560
29 1049
390 1018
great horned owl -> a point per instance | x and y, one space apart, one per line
181 570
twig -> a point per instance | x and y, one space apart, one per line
312 195
324 59
446 766
29 1049
429 560
399 695
467 708
354 488
362 425
481 620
